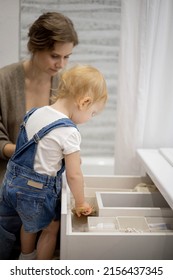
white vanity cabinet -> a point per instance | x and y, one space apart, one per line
133 216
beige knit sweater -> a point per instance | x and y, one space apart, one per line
12 106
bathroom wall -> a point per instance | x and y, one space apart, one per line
97 165
9 31
98 25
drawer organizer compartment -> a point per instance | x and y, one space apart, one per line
132 203
160 224
133 224
103 224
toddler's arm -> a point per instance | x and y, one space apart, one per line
76 183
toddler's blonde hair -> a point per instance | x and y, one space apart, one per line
81 80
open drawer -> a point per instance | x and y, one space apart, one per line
133 219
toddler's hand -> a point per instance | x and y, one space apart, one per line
84 209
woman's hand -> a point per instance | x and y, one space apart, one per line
9 150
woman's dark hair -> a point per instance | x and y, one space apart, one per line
51 28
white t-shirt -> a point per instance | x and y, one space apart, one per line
54 145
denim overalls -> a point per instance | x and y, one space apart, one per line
34 197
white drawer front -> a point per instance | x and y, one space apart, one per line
126 225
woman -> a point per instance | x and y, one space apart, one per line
30 83
27 84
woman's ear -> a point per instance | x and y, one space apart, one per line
85 102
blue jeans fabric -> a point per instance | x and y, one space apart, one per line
21 194
10 224
27 197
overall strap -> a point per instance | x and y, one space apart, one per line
27 115
64 122
23 139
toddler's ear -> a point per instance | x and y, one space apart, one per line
85 102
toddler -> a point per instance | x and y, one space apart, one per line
49 143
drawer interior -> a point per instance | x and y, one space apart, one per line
122 199
113 227
124 211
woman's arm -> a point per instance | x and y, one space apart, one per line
6 146
12 106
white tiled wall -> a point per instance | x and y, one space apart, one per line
9 31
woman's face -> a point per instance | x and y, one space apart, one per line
51 61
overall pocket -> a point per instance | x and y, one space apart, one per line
29 206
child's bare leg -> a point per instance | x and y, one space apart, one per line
27 241
47 241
